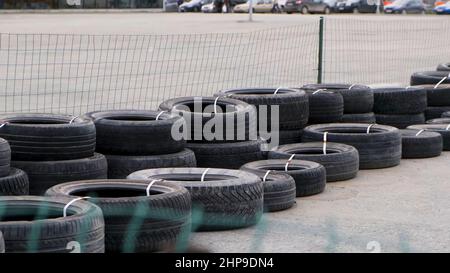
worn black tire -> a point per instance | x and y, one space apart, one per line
359 118
227 155
137 132
438 128
83 225
292 104
120 166
325 107
163 217
357 98
439 121
443 67
381 148
2 243
5 157
279 190
241 115
398 101
400 121
37 137
429 77
289 136
310 177
341 161
228 198
16 183
439 96
426 144
433 112
45 174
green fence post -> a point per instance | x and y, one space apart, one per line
320 60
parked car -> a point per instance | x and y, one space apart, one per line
405 6
209 7
308 6
259 6
442 9
357 6
171 5
194 5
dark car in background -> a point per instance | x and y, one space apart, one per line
357 6
308 6
405 7
172 5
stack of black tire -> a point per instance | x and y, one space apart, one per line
133 140
325 106
13 181
292 104
357 99
232 139
52 149
400 107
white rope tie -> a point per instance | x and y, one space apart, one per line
288 162
421 131
406 88
151 184
202 179
160 113
441 81
3 124
276 91
351 86
215 105
71 202
448 127
318 90
368 128
325 143
73 119
265 176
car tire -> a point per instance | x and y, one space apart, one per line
120 202
242 117
292 104
443 67
227 155
5 157
45 174
439 121
380 148
439 96
400 121
38 137
289 136
229 199
327 10
429 77
438 128
304 10
310 177
357 98
120 166
397 101
433 112
133 132
279 190
341 161
426 144
83 228
325 107
16 183
359 118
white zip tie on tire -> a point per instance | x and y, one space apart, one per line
441 81
447 128
147 190
409 86
265 176
421 131
318 90
288 162
71 202
368 128
215 105
276 91
325 143
160 113
73 119
3 124
202 179
351 86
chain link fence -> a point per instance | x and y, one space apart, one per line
74 74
